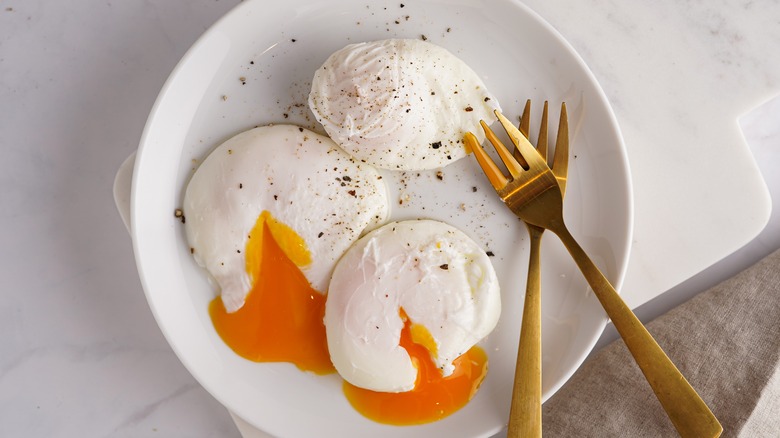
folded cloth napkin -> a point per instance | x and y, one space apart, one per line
726 341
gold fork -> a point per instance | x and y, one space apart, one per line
525 414
535 196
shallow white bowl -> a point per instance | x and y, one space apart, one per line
254 67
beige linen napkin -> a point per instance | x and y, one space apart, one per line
726 341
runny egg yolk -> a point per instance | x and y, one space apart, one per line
282 321
282 318
433 396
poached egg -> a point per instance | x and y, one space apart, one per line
423 274
317 201
400 104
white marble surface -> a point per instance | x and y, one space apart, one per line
678 75
80 353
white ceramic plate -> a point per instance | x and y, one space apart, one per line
254 67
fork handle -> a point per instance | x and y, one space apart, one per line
687 411
525 414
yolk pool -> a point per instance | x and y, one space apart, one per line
281 320
433 396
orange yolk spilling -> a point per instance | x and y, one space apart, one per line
281 320
433 396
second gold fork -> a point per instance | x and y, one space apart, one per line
525 415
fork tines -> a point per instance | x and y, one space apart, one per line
524 152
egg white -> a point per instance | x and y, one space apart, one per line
400 104
302 178
440 277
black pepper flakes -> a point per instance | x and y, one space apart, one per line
192 250
440 175
320 235
474 189
490 254
402 5
346 178
487 99
293 40
178 213
424 38
469 109
285 115
436 145
276 197
240 185
445 266
352 192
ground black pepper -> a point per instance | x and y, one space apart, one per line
178 213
